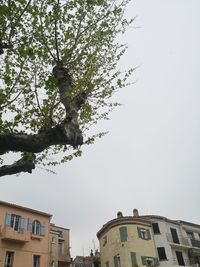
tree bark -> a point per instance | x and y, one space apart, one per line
64 134
22 165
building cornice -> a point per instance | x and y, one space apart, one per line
125 220
24 208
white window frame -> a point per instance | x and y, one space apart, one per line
9 259
15 222
36 227
144 234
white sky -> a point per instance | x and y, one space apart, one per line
150 158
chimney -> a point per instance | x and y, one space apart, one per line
119 214
135 213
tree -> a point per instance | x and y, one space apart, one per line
58 71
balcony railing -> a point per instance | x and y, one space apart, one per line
186 261
8 233
182 240
195 243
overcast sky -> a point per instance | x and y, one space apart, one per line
150 158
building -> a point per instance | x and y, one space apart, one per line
88 261
127 241
172 243
177 242
25 236
59 246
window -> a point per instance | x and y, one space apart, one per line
149 261
36 228
123 233
156 229
161 253
190 235
117 261
107 264
15 221
144 233
36 261
174 235
9 259
180 259
60 247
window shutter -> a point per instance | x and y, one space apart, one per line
143 260
148 234
123 234
8 219
29 225
133 259
115 262
156 262
22 223
43 229
139 232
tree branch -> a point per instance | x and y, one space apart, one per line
22 165
63 134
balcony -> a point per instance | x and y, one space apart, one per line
8 234
181 241
195 243
186 261
64 257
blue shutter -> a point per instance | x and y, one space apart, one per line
148 234
8 219
156 262
139 232
43 229
143 260
123 234
22 223
133 259
29 225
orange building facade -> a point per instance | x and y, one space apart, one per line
26 237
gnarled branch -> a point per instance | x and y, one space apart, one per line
22 165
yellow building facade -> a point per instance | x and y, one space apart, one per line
127 242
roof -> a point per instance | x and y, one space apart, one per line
169 220
58 227
87 259
189 223
3 203
142 220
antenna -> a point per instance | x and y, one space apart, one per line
94 244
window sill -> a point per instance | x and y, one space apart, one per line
33 236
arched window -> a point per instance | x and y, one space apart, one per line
36 227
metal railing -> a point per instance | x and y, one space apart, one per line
181 240
186 261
